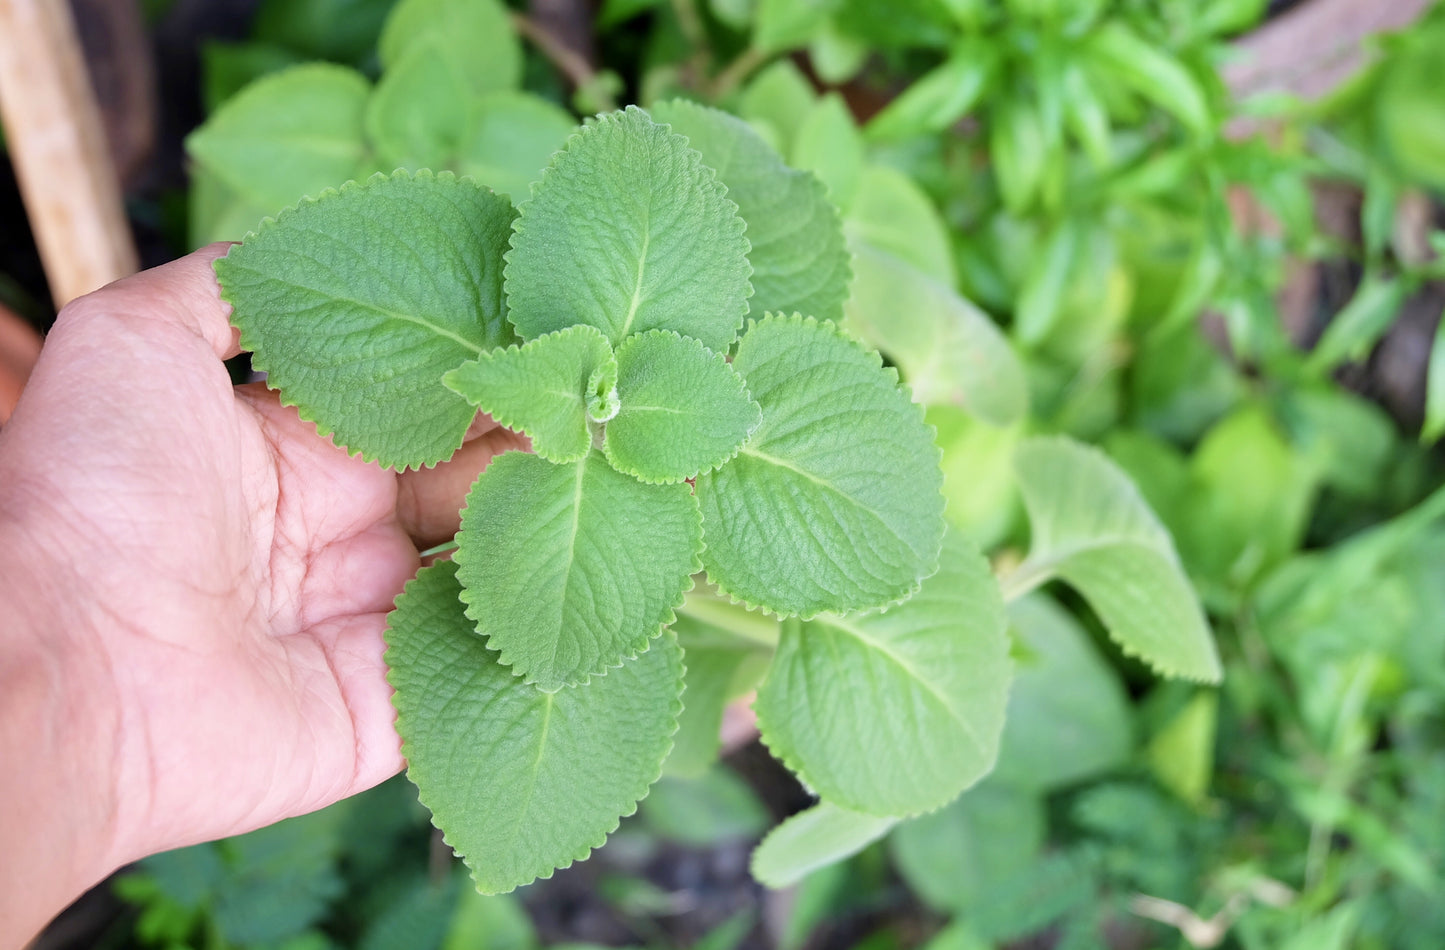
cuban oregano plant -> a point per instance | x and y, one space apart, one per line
659 320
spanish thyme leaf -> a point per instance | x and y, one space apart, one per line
682 409
521 781
570 569
629 231
355 303
835 501
543 388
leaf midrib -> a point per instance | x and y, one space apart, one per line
819 481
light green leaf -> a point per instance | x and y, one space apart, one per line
682 409
799 259
949 857
356 303
1154 75
894 712
218 212
1018 150
784 24
1086 116
835 503
497 761
286 136
547 388
829 145
474 37
415 117
570 569
715 807
892 214
775 102
1434 425
628 231
813 839
1042 297
508 139
1092 529
1068 717
727 650
1360 324
949 352
942 96
1181 755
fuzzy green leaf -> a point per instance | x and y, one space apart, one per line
949 352
415 117
812 839
1092 529
629 231
543 388
354 314
474 37
799 258
859 706
894 215
682 409
509 137
570 569
835 503
520 781
286 136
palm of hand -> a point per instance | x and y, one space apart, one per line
236 570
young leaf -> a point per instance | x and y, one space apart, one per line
1092 529
1154 75
629 231
775 102
473 38
942 96
682 409
543 388
950 352
415 117
564 573
829 145
355 317
859 706
892 214
835 503
289 135
799 259
520 781
812 839
783 24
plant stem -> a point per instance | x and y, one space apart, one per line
569 62
733 74
439 549
1024 579
745 624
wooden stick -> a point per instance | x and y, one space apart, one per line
57 143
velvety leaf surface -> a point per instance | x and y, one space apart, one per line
286 136
949 351
682 409
1092 529
355 317
799 257
570 569
543 388
835 502
892 214
629 231
474 37
895 712
812 839
508 138
520 781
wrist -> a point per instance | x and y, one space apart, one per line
57 829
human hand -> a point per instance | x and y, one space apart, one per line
198 586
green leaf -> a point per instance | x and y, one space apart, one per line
1181 755
498 761
545 388
813 839
1092 529
570 569
509 137
415 116
1018 150
784 24
892 214
473 37
1360 324
799 258
1068 717
949 352
355 303
829 145
1434 425
859 706
715 807
942 96
727 649
1086 116
1042 297
286 136
682 409
835 503
950 856
775 102
1154 75
628 231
